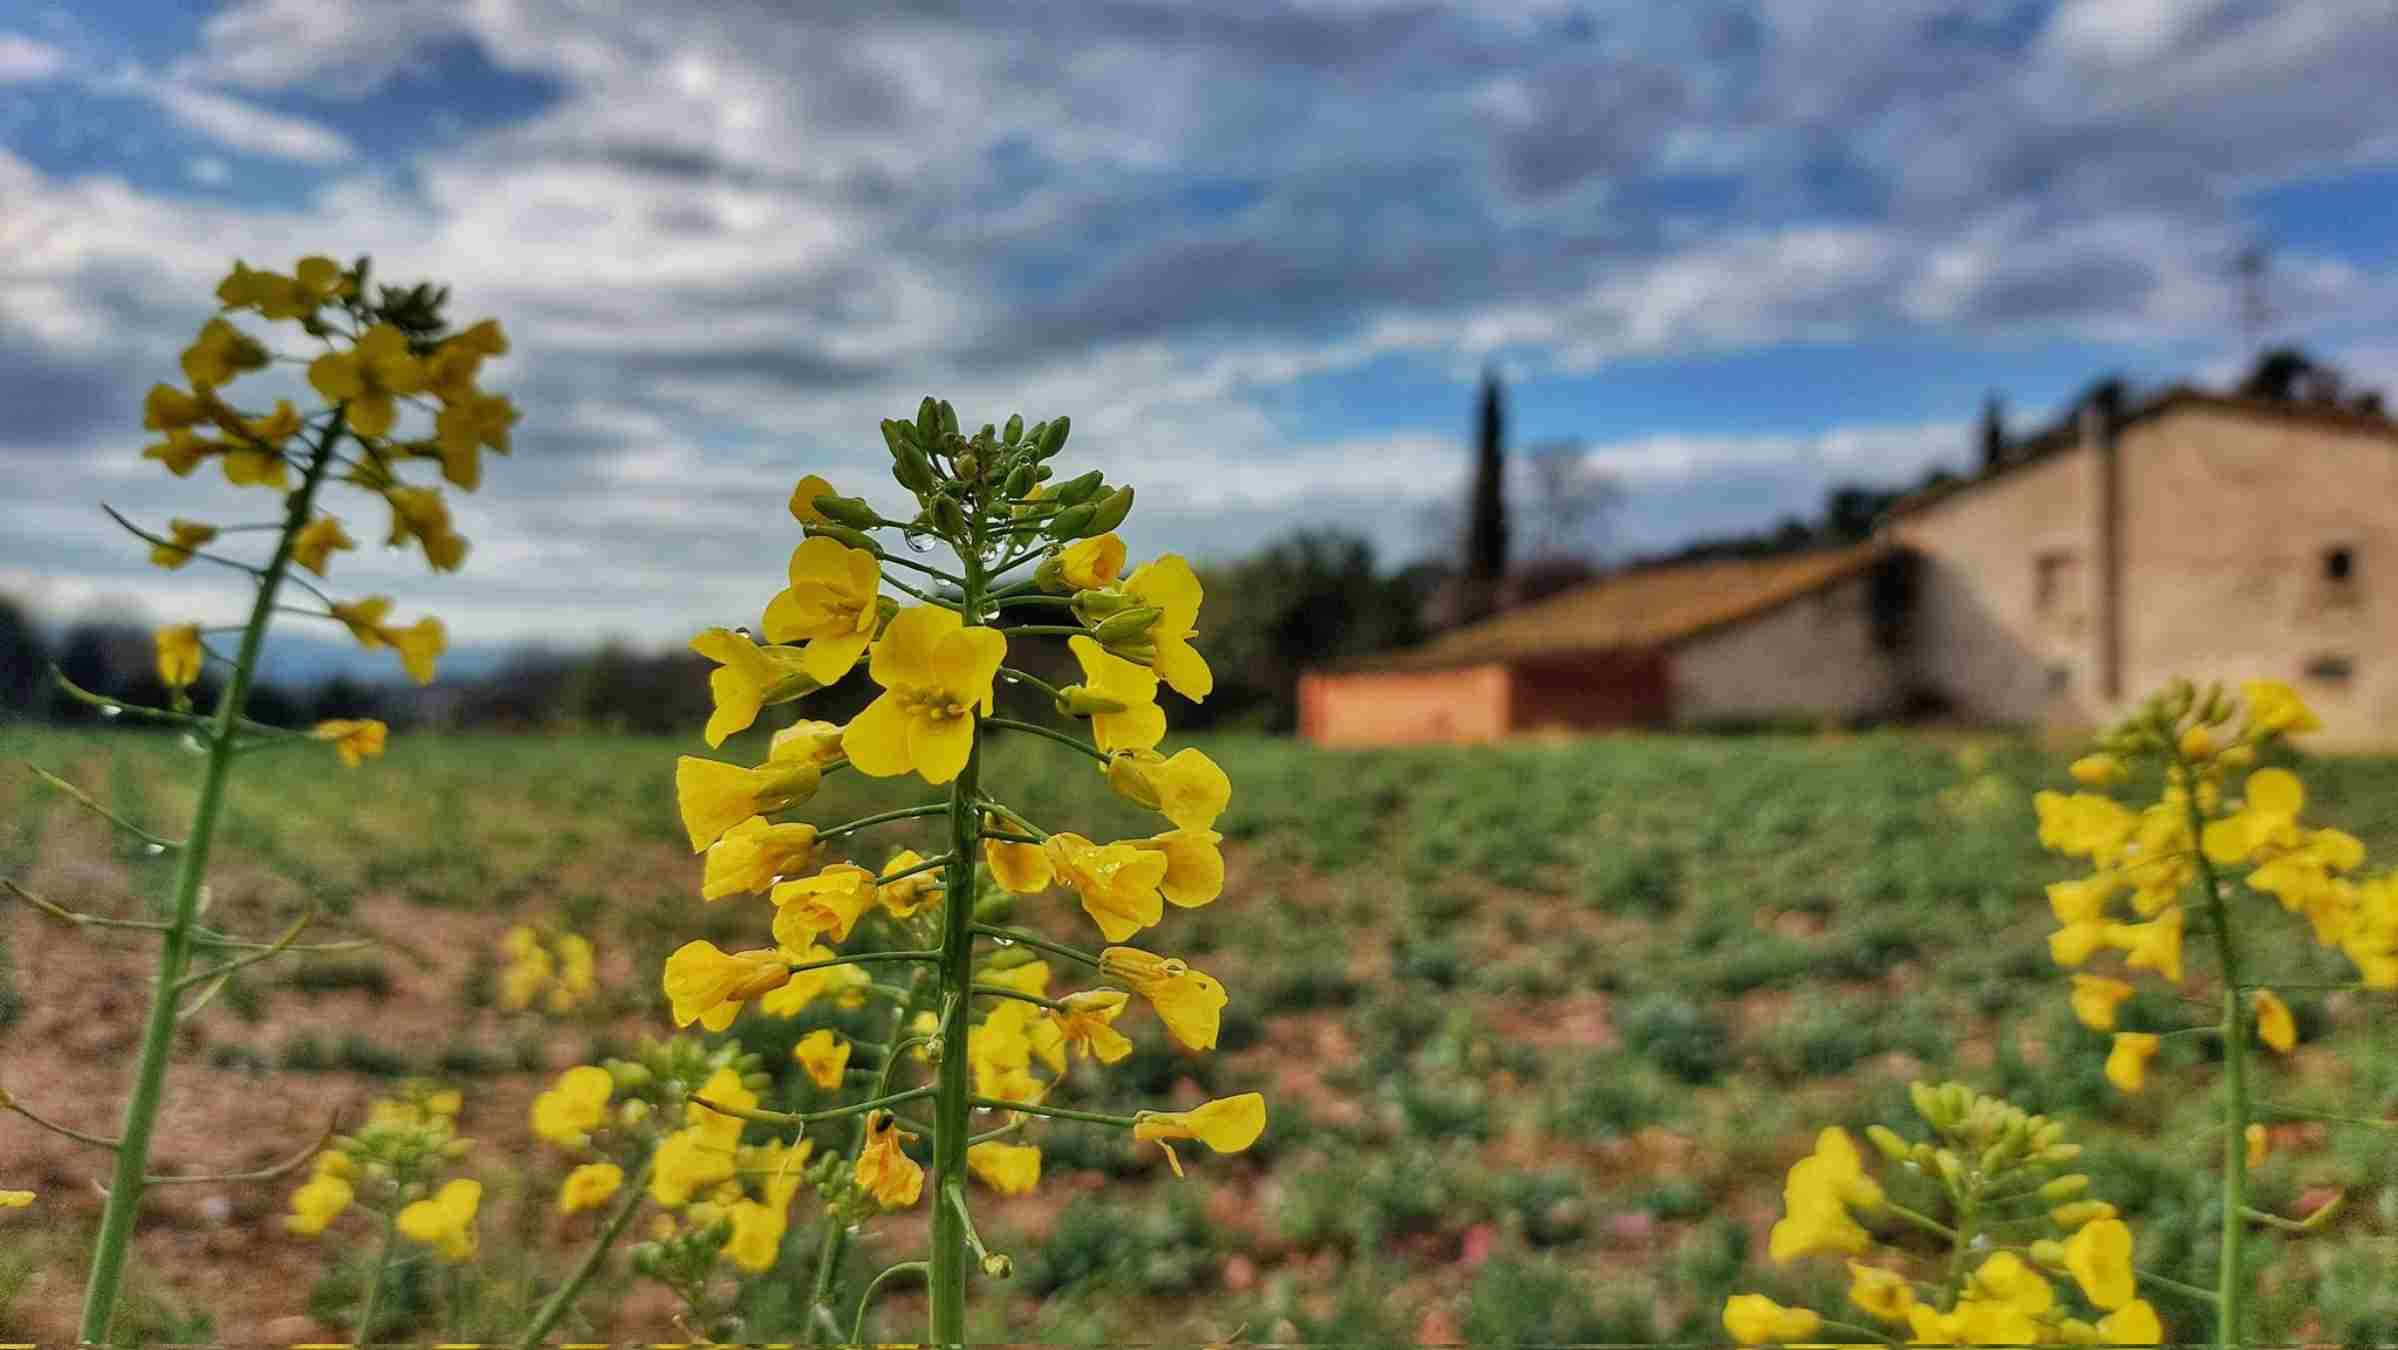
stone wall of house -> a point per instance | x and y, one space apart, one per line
1814 654
1394 707
2257 544
2006 601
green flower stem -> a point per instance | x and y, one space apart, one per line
147 714
1006 837
883 818
201 937
928 865
2303 1113
812 1117
219 559
1923 1221
926 596
946 1270
374 1281
175 947
953 1195
857 1331
1001 1133
558 1303
1033 598
1852 1329
2231 1277
828 1263
1010 672
998 991
2167 1282
1048 630
864 958
1010 724
1037 944
85 800
914 566
1010 813
1060 1112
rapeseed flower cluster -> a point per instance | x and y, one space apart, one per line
1995 1168
976 1002
547 967
397 1165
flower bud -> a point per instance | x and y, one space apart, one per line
928 421
994 906
1069 523
1052 435
2058 1190
1128 774
1015 429
2197 743
949 418
850 511
1019 481
2080 1212
632 1113
844 534
1927 1102
1050 576
969 466
997 1266
949 519
1950 1167
1886 1141
2049 1253
1113 508
1077 700
1079 489
1092 606
1127 625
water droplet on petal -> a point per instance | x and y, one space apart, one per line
920 540
110 710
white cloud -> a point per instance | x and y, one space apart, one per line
23 60
245 126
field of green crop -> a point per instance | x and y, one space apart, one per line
1540 1027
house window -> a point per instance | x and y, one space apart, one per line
2330 669
2053 576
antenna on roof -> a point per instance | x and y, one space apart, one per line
2256 313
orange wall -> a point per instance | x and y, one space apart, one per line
1396 707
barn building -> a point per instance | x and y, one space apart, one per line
2194 533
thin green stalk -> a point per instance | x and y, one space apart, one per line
946 1271
1011 724
884 817
857 1331
1038 944
374 1281
828 1261
2231 1277
556 1306
175 947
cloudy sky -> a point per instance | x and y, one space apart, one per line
1257 251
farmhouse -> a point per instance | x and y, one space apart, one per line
2194 533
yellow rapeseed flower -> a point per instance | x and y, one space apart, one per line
708 986
687 1162
1088 1024
830 902
2276 708
713 796
179 654
1169 583
1754 1319
1010 1169
748 677
1194 866
2095 998
749 856
2274 1025
367 377
589 1187
221 353
1226 1125
185 535
446 1222
1091 564
908 894
1884 1294
314 1206
803 499
317 541
2260 1143
2155 945
2100 1259
885 1171
2098 771
823 1056
1141 723
354 739
464 426
2127 1063
1021 868
578 1104
181 451
830 604
934 672
1117 882
2008 1278
1190 1002
757 1237
1816 1196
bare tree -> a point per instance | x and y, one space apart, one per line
1572 496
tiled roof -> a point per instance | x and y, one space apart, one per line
1636 608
